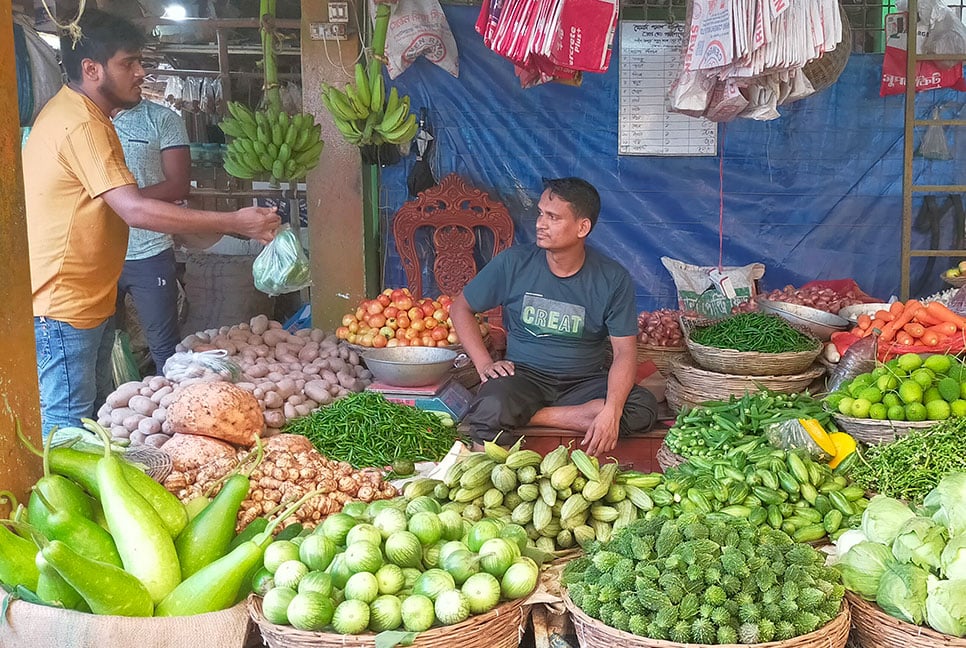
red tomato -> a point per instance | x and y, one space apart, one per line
418 325
415 313
403 321
430 322
391 311
428 308
384 300
439 334
342 332
379 341
404 303
377 321
374 307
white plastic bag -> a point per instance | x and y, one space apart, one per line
419 28
282 266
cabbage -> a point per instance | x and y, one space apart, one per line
883 518
902 592
845 542
946 503
952 562
862 567
921 542
946 606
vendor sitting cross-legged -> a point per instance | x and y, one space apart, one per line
562 301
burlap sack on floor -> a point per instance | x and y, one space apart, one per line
27 625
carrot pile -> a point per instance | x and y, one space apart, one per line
912 323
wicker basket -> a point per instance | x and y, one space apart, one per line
702 385
752 363
591 633
873 628
663 357
674 395
501 627
826 69
878 431
666 458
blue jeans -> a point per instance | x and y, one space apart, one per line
74 368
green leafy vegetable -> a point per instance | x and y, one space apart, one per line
921 542
902 592
952 562
946 606
946 503
862 567
883 519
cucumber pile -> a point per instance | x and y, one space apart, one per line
785 490
390 565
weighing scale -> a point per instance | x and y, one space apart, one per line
449 397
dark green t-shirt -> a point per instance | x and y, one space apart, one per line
556 324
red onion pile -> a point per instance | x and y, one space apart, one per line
661 328
824 299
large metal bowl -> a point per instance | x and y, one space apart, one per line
820 323
409 366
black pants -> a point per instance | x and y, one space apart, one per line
509 402
153 284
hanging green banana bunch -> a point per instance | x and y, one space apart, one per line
270 142
361 111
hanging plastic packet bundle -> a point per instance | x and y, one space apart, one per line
282 266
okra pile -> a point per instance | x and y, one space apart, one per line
561 500
785 490
705 579
715 428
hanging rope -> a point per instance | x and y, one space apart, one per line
73 27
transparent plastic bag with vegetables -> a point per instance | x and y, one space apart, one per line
801 434
282 267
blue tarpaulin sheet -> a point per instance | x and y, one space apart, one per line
815 194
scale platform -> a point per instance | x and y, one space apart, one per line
448 396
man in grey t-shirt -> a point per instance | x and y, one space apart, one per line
156 150
563 302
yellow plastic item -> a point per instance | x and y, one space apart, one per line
844 446
818 435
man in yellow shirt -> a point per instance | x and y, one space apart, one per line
80 199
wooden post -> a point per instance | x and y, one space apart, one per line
19 397
339 245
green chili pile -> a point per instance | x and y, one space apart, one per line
911 466
366 430
759 332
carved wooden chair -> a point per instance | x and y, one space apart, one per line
455 212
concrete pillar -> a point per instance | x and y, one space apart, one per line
341 241
18 366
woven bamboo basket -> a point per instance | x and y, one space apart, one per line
663 357
748 363
702 385
501 627
877 431
667 458
673 397
591 633
873 628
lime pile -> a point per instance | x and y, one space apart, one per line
907 388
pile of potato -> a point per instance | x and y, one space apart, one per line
289 374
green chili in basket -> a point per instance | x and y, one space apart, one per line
911 466
759 332
367 430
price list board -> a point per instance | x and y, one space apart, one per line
650 58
